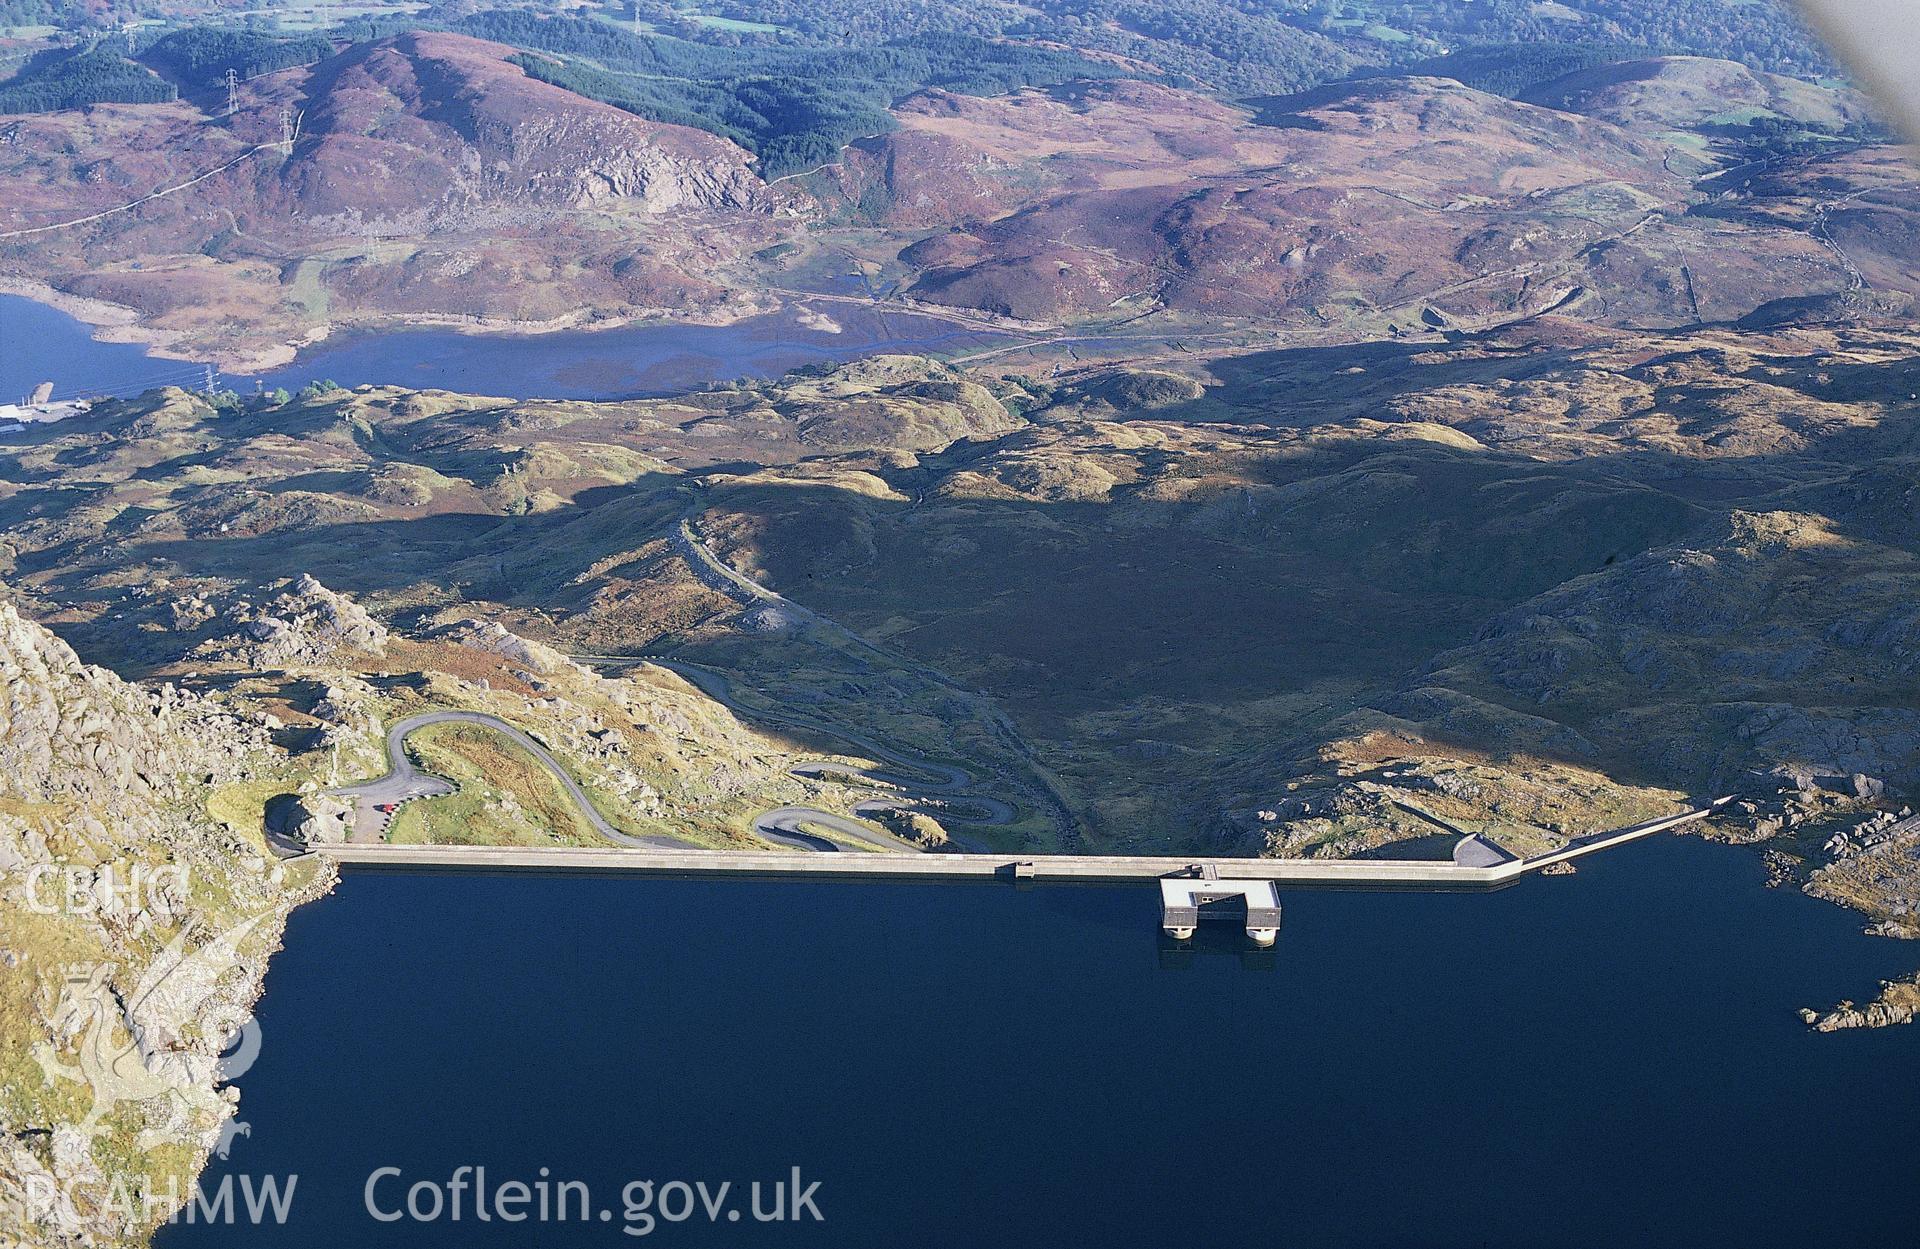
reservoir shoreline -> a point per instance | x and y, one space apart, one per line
114 324
1633 1023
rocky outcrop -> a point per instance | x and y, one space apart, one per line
494 139
136 931
512 201
904 402
1874 866
71 731
1899 1000
918 827
488 635
639 172
310 819
305 626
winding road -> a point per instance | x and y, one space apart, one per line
923 785
405 782
949 783
937 788
797 827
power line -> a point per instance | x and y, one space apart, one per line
184 376
120 208
92 396
185 373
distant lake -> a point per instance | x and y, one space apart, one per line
39 343
1607 1059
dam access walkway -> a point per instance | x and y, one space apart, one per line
1326 873
1190 889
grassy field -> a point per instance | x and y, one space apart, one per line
506 797
733 24
304 15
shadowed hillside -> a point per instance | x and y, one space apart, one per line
1182 595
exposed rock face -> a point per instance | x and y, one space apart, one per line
446 113
316 818
306 626
655 176
489 636
162 919
516 201
918 827
1743 622
68 730
1898 1002
1873 866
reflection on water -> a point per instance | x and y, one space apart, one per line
1217 940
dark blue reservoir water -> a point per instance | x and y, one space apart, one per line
38 343
1608 1059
